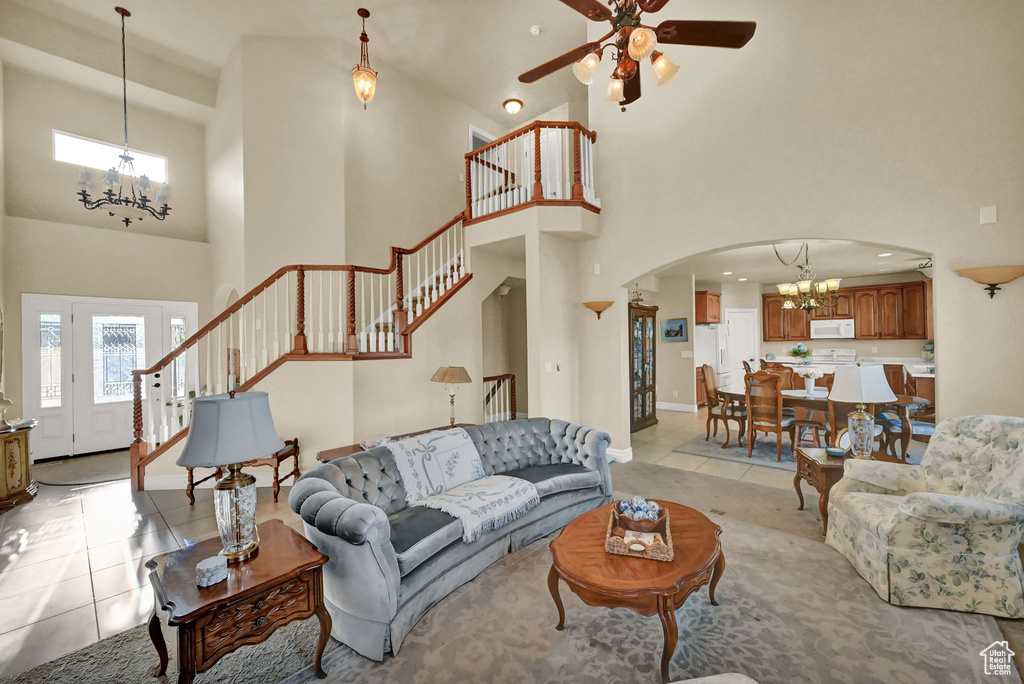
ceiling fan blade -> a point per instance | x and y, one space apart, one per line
651 5
727 34
557 63
591 9
631 90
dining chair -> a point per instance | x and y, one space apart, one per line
837 420
892 427
721 409
787 375
746 367
764 410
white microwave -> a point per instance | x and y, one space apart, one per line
837 328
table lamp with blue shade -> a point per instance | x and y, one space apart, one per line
226 430
861 385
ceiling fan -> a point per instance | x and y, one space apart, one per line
634 42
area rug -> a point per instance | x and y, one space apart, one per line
792 610
84 470
764 452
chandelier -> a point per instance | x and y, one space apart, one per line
807 293
131 201
364 79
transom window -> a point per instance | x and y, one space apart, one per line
74 149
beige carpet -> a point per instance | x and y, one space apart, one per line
792 610
83 470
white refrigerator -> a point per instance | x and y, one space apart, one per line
709 347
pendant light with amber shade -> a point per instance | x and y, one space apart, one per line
364 79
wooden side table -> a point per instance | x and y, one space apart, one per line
648 587
823 472
282 583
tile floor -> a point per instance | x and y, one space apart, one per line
72 562
655 445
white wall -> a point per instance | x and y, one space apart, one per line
675 373
40 188
870 131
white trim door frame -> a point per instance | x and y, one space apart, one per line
61 360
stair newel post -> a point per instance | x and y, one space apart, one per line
512 394
538 186
139 448
577 168
299 345
401 317
351 343
469 187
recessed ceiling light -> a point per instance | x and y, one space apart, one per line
885 254
743 280
727 273
512 105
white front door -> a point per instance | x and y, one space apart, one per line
110 341
78 354
741 339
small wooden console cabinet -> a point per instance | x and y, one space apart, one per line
17 485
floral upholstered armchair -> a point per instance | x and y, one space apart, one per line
943 534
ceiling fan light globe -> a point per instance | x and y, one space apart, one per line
641 43
583 70
615 87
664 68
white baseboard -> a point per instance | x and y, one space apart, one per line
683 408
621 455
264 478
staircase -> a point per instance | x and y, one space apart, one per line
348 313
300 313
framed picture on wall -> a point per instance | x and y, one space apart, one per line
674 330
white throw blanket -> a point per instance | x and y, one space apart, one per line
435 462
485 504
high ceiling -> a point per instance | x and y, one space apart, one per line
831 259
473 51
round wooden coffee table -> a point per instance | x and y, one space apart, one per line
648 587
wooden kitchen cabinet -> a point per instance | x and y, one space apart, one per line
929 319
842 309
702 389
914 307
708 307
783 325
890 313
865 314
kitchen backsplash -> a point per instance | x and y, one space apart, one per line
887 348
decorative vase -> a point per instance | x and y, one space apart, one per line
807 361
809 385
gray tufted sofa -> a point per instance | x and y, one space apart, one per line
390 563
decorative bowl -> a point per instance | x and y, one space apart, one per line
835 452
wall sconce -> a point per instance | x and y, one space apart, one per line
598 307
992 276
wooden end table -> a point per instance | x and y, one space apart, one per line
282 583
823 472
648 587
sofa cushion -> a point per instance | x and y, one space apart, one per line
418 532
557 477
873 511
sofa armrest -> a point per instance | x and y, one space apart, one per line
881 477
322 506
584 446
951 508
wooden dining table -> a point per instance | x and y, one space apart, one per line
818 401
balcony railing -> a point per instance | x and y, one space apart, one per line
546 162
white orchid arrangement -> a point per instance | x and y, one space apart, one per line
814 373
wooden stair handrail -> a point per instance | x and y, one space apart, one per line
252 294
500 380
529 127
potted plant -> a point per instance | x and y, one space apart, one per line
809 375
801 351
